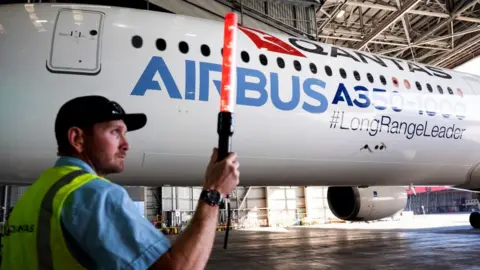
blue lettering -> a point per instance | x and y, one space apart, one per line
366 102
146 81
307 87
392 102
252 90
428 105
419 104
379 98
190 80
243 86
205 69
445 112
275 93
338 95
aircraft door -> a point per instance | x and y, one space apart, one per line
76 43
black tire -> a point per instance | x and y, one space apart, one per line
475 220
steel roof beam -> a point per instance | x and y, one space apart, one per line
465 45
413 11
385 24
444 23
386 37
407 34
469 53
428 54
468 31
467 19
461 33
442 6
383 43
393 50
332 16
405 46
298 2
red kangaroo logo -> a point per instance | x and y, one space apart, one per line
268 42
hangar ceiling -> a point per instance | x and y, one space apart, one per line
445 33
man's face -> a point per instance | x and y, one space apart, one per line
107 147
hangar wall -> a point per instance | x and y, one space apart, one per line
252 206
9 195
260 206
443 201
15 193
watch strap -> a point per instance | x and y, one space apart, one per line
211 197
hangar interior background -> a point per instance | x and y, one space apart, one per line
443 33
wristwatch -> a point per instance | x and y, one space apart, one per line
211 196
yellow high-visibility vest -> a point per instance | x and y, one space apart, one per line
32 236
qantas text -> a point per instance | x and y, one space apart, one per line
301 47
256 88
341 120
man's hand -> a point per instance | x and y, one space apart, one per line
223 175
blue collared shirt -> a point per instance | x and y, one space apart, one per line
105 230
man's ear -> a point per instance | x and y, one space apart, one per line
76 138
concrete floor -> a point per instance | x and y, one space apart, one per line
382 245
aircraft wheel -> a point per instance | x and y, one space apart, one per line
475 220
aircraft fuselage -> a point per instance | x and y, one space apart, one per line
306 113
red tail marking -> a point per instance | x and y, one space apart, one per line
270 43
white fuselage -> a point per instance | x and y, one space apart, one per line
281 138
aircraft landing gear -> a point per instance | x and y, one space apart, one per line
475 220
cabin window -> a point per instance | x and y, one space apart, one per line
459 91
395 81
280 62
383 80
313 68
407 84
429 87
419 86
357 75
205 50
161 44
450 91
137 42
343 73
245 56
297 65
183 47
328 70
440 90
263 59
370 78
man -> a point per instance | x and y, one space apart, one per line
72 217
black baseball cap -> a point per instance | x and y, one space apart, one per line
89 110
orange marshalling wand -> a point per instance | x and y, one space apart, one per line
227 96
229 71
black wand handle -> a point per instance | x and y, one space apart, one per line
225 132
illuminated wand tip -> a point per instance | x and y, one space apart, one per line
228 83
